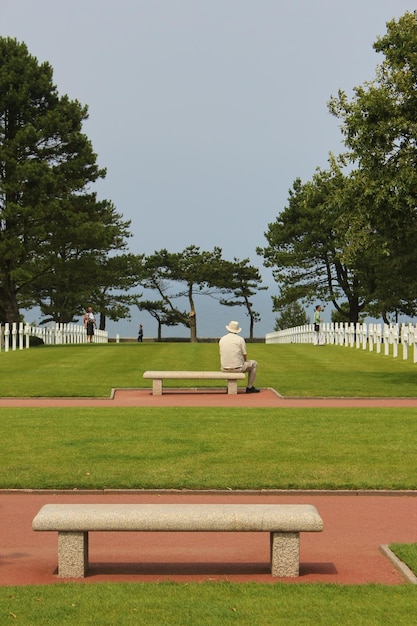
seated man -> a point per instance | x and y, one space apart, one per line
233 355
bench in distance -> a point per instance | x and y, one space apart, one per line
159 377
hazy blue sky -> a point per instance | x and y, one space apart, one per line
204 112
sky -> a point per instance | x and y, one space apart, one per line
204 112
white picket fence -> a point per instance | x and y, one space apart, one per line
386 337
16 336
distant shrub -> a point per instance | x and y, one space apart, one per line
35 341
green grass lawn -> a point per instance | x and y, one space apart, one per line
135 447
291 369
406 552
211 604
208 448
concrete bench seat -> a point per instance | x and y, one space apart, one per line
158 377
73 522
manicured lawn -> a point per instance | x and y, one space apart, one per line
211 604
292 369
201 448
406 552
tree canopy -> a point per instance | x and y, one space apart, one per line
290 316
306 246
379 127
176 276
53 230
242 281
350 234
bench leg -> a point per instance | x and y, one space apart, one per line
157 387
232 387
72 554
285 554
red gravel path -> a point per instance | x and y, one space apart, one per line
346 552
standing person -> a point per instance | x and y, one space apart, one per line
89 323
140 333
233 355
317 321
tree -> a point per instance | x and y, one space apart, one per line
81 272
341 316
291 316
306 245
51 224
380 133
160 312
200 272
243 281
354 236
115 276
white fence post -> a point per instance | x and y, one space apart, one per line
395 339
27 336
404 340
386 337
378 337
14 335
340 331
371 336
6 337
415 345
364 336
349 334
18 336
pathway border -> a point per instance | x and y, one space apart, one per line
208 397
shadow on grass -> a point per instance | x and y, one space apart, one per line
394 380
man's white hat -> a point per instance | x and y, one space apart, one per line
233 327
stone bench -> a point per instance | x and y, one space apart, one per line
73 522
158 377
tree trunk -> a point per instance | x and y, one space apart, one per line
251 326
354 310
192 318
193 328
9 307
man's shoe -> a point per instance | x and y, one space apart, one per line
252 390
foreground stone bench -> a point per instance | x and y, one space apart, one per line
158 377
73 522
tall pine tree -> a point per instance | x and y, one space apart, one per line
48 215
